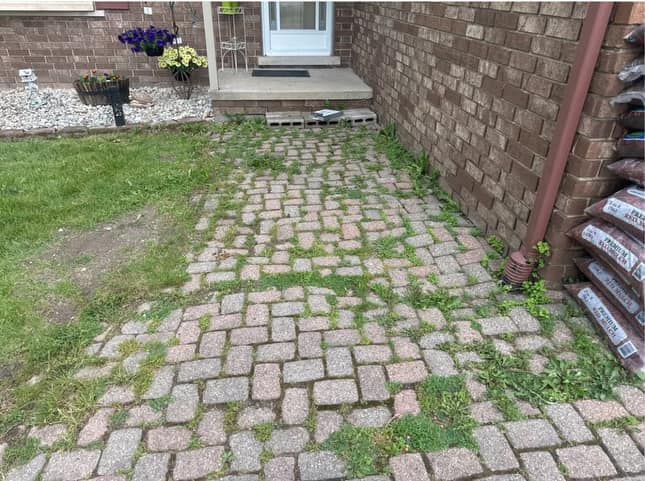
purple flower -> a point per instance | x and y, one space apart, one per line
139 39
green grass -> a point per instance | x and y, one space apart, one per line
444 422
74 185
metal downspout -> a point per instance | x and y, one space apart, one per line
521 263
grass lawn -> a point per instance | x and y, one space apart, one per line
49 186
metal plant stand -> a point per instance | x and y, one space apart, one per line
230 44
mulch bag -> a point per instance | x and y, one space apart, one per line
634 96
636 38
633 119
625 342
622 252
630 169
632 145
625 209
619 293
633 71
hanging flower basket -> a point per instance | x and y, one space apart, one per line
153 51
182 62
92 88
151 41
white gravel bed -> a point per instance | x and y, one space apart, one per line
62 108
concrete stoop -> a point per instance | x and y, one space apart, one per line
354 117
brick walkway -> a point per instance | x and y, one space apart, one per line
253 355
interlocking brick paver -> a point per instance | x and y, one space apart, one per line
119 451
28 471
226 390
494 449
276 352
295 406
252 416
540 466
531 434
370 417
621 447
71 465
200 369
212 344
454 463
211 428
249 335
283 329
151 467
342 391
197 463
569 423
320 466
173 438
96 427
586 462
339 362
246 452
303 371
372 354
291 440
633 399
239 361
373 383
407 372
184 403
409 466
594 411
266 382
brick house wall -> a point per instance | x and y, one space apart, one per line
60 48
478 86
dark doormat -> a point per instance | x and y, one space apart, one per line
267 72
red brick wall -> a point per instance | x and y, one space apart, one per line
478 86
60 48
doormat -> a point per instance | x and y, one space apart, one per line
267 72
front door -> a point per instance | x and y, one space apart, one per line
297 28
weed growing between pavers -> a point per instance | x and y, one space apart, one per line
444 422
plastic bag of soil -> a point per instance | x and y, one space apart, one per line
636 38
622 252
625 342
633 119
632 145
619 293
630 169
633 71
625 209
633 96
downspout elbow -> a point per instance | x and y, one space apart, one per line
521 263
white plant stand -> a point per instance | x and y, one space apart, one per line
227 31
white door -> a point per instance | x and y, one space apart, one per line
297 28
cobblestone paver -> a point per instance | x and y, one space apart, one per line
296 321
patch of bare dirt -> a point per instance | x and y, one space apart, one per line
85 258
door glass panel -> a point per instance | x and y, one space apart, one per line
322 16
273 22
297 15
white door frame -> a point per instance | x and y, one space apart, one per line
266 34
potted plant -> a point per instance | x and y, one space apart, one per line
92 87
182 61
151 41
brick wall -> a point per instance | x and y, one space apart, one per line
478 86
60 48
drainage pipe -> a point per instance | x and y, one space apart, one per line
521 263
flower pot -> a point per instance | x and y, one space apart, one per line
153 51
181 75
96 93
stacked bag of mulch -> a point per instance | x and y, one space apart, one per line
615 235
